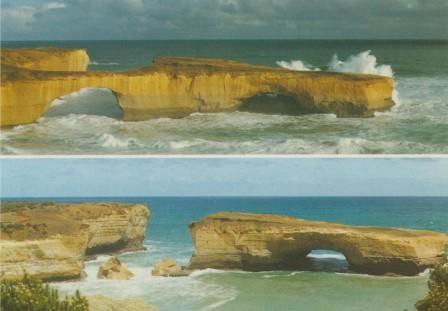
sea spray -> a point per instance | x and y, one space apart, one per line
95 63
364 63
110 141
296 65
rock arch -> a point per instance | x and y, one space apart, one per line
254 242
88 101
326 260
277 103
177 87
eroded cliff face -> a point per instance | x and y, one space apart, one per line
46 59
266 242
177 87
50 241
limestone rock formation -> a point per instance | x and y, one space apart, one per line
50 241
102 303
266 242
177 87
112 269
169 268
46 59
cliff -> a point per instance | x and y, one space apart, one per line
50 241
266 242
46 59
177 87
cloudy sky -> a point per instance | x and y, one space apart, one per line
222 19
68 177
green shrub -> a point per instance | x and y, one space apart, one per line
30 294
437 298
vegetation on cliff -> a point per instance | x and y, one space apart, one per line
31 294
437 297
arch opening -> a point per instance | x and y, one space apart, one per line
326 260
275 104
87 101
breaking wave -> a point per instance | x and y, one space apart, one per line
364 62
327 256
186 293
392 132
94 63
87 101
296 65
110 141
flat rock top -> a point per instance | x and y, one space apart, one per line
194 65
37 220
12 58
23 56
300 225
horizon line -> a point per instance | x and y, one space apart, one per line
228 196
235 39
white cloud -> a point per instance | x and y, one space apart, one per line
133 5
54 5
21 17
17 18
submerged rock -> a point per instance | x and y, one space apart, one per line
169 268
50 241
112 269
103 303
256 242
176 87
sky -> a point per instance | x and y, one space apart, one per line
143 177
223 19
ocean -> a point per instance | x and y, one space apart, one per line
328 288
88 122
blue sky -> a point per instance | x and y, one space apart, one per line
69 177
222 19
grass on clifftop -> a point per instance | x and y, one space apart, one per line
31 294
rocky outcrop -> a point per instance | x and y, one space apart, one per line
103 303
169 268
46 59
50 241
266 242
112 269
177 87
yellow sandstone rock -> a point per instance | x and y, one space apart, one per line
46 59
177 87
50 241
266 242
113 269
169 268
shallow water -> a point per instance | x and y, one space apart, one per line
89 122
329 288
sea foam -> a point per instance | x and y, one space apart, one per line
364 62
110 141
296 65
87 101
95 63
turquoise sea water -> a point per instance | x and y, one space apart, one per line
88 122
327 289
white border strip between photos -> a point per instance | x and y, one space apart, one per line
231 156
